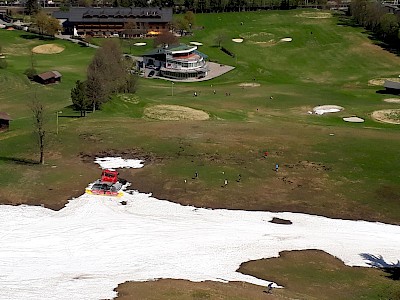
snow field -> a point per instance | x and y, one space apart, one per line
86 249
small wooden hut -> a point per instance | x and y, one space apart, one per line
48 77
4 121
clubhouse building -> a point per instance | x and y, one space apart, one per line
178 62
113 21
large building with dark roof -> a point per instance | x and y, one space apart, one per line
112 21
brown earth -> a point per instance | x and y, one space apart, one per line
381 81
174 289
315 15
391 116
48 49
174 113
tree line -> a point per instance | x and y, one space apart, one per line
107 74
199 6
375 17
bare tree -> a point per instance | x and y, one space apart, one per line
221 37
165 38
38 111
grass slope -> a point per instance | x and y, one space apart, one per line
327 166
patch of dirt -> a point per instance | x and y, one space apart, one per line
175 113
178 289
249 84
305 164
315 15
381 81
391 116
48 49
392 100
280 221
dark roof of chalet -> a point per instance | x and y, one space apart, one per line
115 14
49 74
5 116
392 85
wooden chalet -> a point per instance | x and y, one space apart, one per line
48 77
112 21
4 121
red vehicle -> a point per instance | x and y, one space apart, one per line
108 185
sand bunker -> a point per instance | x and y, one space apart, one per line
286 40
391 116
324 109
249 84
315 15
174 113
237 40
196 43
392 100
48 49
381 81
353 120
140 44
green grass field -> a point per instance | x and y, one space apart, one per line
327 166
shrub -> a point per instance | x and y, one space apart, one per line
3 63
30 73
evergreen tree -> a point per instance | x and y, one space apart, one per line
79 99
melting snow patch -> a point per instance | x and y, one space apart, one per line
118 162
323 109
237 40
86 249
353 120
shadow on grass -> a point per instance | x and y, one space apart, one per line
70 116
20 161
37 37
390 47
392 269
387 92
